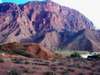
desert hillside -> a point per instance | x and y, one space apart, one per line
48 24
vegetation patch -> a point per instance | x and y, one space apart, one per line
14 71
1 60
75 54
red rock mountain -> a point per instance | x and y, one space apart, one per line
48 24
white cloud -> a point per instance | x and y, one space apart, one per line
90 8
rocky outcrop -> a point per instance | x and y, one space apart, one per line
14 25
39 51
87 40
47 23
28 50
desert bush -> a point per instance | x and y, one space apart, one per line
81 73
49 73
20 52
57 56
26 62
15 60
75 54
14 72
1 60
16 51
65 72
96 57
71 70
0 46
1 51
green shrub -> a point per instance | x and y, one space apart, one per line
65 72
95 56
49 73
20 52
75 54
1 51
1 60
16 60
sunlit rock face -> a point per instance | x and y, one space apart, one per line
46 23
14 25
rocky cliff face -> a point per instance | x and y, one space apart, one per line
14 25
48 24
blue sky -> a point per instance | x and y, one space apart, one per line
90 8
15 1
19 1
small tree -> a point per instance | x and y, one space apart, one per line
1 60
49 73
75 54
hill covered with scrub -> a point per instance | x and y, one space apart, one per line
33 59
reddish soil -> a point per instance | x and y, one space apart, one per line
35 66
